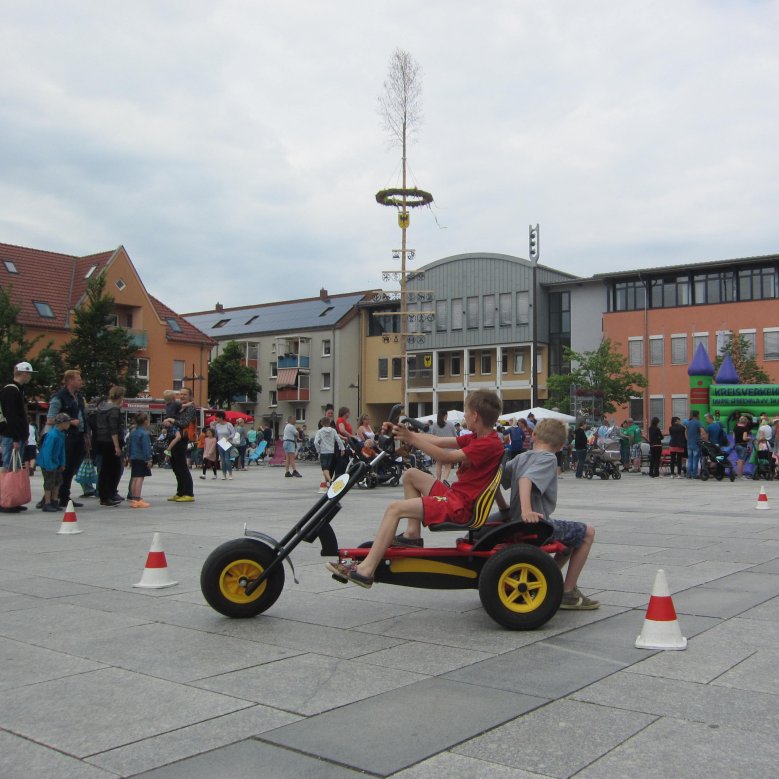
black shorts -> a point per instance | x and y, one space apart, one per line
327 462
139 469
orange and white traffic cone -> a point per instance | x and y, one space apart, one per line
155 574
762 500
661 627
69 524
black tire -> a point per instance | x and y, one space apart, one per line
732 475
521 587
704 474
396 474
604 475
588 473
227 566
616 474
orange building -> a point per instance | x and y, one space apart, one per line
48 287
659 316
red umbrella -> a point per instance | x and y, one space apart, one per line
232 416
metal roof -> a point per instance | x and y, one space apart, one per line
283 317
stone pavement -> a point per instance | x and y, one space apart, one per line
102 680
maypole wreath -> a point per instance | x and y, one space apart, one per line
394 197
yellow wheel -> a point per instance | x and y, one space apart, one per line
227 571
520 587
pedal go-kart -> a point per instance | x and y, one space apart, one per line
509 562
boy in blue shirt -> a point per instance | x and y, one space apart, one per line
51 458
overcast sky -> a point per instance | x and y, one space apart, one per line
235 148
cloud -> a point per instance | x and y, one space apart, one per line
236 146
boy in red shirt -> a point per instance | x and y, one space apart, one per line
427 501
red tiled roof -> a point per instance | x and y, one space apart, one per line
60 280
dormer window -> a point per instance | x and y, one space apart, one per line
173 324
43 309
10 267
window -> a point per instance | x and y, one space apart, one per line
173 324
427 318
454 365
325 381
397 364
714 287
10 267
750 336
472 313
179 372
636 407
90 271
457 313
220 323
441 365
771 343
722 340
523 308
635 352
326 348
440 315
383 368
486 363
679 349
379 324
139 367
300 413
412 318
519 362
697 339
252 319
273 369
504 309
43 309
326 311
112 320
488 312
657 409
471 363
120 285
273 398
656 350
757 284
540 363
679 406
669 293
627 296
504 361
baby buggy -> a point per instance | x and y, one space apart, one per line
598 463
387 471
715 461
763 462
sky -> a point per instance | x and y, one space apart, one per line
235 148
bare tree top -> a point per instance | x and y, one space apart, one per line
400 106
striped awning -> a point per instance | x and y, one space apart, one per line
287 377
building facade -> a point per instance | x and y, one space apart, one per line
306 354
48 287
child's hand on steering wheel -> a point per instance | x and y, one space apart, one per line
532 516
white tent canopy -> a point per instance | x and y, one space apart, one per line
451 416
544 413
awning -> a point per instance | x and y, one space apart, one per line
287 377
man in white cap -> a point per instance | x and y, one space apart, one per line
14 427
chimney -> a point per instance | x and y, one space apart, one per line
323 296
219 307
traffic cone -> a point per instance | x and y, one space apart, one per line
69 524
762 500
661 628
155 574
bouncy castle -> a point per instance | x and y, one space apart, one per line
723 396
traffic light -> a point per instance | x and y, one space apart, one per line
535 246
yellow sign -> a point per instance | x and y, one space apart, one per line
404 219
427 361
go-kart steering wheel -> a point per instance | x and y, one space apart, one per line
414 424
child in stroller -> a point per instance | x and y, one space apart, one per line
715 461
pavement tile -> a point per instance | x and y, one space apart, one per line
684 750
191 740
558 739
44 587
756 633
757 672
541 669
78 714
20 757
749 581
156 650
309 684
709 602
707 703
454 766
403 726
772 566
22 664
424 658
768 611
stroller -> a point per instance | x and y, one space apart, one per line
715 461
387 471
763 462
598 462
257 454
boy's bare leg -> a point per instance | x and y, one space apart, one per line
416 483
412 509
576 560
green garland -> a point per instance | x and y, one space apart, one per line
394 197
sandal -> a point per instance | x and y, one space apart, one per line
348 573
402 540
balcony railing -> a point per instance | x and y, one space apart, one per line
293 393
140 338
292 361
